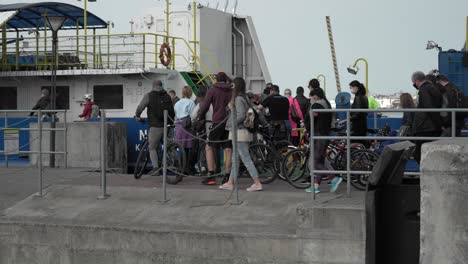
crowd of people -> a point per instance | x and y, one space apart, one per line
208 117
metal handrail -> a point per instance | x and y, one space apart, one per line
348 136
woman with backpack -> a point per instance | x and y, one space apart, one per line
359 120
240 104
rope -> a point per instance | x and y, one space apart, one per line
200 137
15 124
332 47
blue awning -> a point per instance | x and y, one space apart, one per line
30 16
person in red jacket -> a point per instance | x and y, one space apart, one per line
88 109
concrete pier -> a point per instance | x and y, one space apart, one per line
444 202
198 225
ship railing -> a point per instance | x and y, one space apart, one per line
348 138
107 51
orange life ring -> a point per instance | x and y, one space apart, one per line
165 54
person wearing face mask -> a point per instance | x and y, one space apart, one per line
359 120
426 124
322 127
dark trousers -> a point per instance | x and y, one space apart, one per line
419 143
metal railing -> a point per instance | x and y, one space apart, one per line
40 130
348 138
106 51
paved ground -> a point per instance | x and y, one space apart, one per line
17 183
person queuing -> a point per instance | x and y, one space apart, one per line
218 97
406 102
359 120
183 109
278 107
426 124
173 96
244 137
295 117
43 102
322 127
156 102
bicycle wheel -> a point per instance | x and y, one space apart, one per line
296 169
281 144
362 160
281 154
142 161
264 158
175 163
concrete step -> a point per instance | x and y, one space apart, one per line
69 225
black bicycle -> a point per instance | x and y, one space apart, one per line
175 158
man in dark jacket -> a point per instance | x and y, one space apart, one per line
156 102
426 124
454 96
219 97
43 102
303 101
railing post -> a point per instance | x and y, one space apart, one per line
164 159
39 159
312 154
454 125
173 53
5 154
348 153
65 141
235 155
104 194
144 52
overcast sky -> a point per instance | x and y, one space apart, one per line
391 35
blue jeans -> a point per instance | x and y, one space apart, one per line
243 151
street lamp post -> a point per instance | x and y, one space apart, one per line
354 70
324 82
54 23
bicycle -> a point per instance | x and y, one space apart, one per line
175 158
296 164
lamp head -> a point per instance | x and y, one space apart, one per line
353 70
433 45
55 22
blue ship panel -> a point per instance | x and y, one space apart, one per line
451 65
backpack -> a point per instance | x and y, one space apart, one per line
252 119
294 114
165 104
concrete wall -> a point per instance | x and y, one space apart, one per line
444 197
83 143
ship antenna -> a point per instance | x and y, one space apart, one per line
235 7
226 6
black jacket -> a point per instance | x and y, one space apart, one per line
359 120
304 104
429 97
156 102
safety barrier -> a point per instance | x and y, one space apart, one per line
348 138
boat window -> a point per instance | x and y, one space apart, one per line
62 101
109 96
8 98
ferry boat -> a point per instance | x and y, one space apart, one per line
183 46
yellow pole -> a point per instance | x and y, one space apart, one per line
466 43
85 25
4 45
324 82
45 46
167 21
367 72
94 48
17 49
77 38
173 53
195 35
108 44
155 51
37 45
144 51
